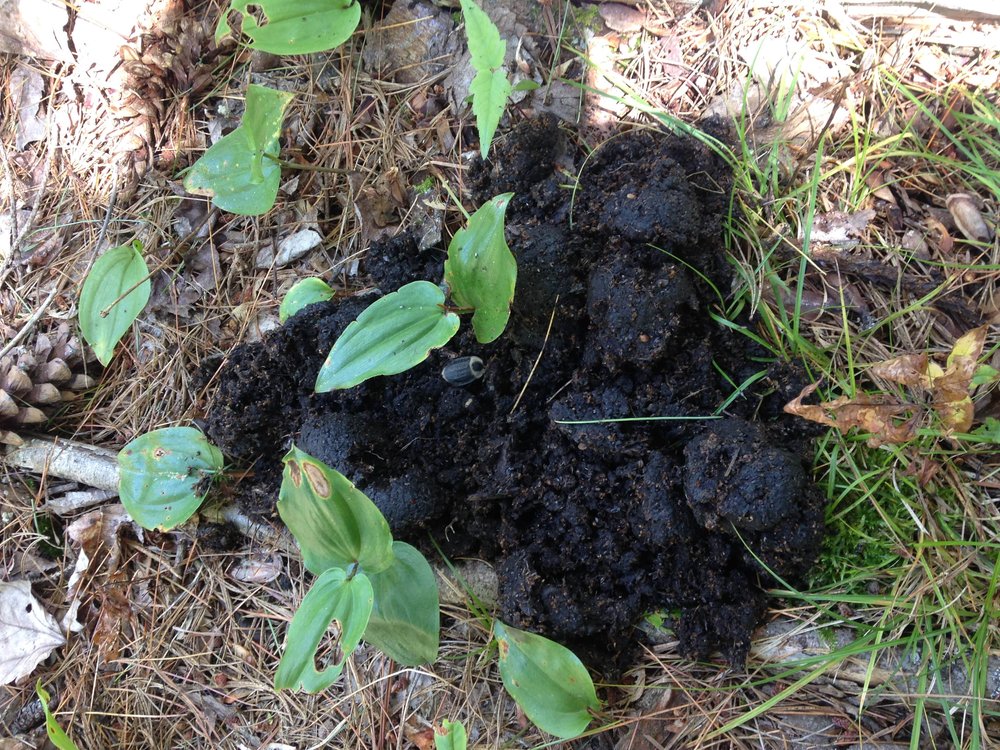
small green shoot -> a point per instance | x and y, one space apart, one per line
164 475
547 680
399 331
450 735
303 294
481 271
240 173
294 27
338 594
490 87
113 294
392 335
57 736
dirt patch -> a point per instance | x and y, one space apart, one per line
590 525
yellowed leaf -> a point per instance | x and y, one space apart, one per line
951 390
956 415
881 414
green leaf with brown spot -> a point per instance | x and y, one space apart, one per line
547 680
238 173
451 735
335 524
165 474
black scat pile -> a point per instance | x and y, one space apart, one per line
590 525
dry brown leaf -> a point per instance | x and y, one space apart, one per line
875 414
879 181
880 414
257 569
950 386
909 370
114 618
97 533
100 573
968 218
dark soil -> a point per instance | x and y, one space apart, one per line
590 525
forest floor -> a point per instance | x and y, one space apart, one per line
841 232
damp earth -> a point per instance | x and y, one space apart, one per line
601 462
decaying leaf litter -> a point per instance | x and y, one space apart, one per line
917 329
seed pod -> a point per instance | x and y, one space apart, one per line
967 217
463 370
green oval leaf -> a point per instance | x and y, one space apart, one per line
451 736
390 336
162 475
405 622
236 172
296 27
114 273
333 596
548 682
303 294
335 524
490 87
481 271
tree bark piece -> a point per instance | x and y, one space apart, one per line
67 459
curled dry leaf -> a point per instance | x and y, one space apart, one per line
878 415
881 415
257 569
949 386
99 583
